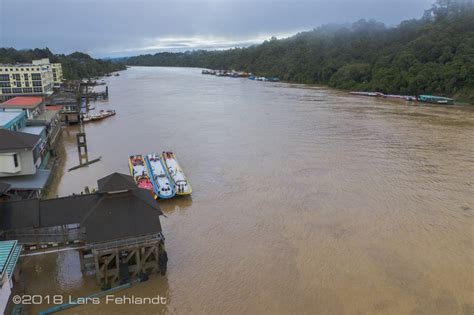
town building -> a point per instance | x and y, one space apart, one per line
9 255
37 115
21 154
14 121
55 67
26 79
116 229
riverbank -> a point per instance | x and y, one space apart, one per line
288 206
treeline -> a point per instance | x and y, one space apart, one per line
75 66
433 54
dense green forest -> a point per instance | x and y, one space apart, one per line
433 54
75 66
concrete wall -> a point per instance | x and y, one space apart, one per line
26 164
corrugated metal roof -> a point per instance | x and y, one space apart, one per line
6 251
15 256
28 182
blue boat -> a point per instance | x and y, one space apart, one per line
435 99
251 77
163 185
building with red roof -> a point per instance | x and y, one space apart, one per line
32 105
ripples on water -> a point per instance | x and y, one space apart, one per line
306 200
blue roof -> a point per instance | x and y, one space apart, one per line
7 117
8 256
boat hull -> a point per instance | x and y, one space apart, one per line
182 184
139 172
155 169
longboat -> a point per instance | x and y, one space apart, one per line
181 182
162 183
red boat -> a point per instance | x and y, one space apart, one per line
139 172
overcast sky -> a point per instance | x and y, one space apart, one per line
125 27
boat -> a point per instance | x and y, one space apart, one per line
435 99
181 183
93 116
139 172
373 94
162 183
273 79
251 77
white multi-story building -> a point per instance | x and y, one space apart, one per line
55 67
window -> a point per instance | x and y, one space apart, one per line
36 76
4 77
37 83
25 76
6 91
16 90
27 83
15 160
27 90
16 76
4 84
37 90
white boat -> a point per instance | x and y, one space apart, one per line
182 185
162 184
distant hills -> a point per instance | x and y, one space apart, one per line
75 66
433 54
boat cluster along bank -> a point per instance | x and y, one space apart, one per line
159 173
239 74
421 98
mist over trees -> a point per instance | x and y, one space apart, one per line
75 66
433 54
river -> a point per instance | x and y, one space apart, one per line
306 199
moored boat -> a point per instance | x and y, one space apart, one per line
435 99
162 183
182 185
139 172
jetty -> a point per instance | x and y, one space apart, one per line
116 229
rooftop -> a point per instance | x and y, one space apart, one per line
116 182
4 187
28 182
6 117
105 215
34 130
23 102
15 140
9 254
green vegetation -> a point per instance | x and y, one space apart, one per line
75 66
432 55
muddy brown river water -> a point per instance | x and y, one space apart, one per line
306 200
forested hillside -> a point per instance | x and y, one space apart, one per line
433 54
75 66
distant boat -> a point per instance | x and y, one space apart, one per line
435 99
373 94
273 79
251 77
93 116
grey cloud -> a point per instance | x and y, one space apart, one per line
108 27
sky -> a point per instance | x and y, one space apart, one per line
115 28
